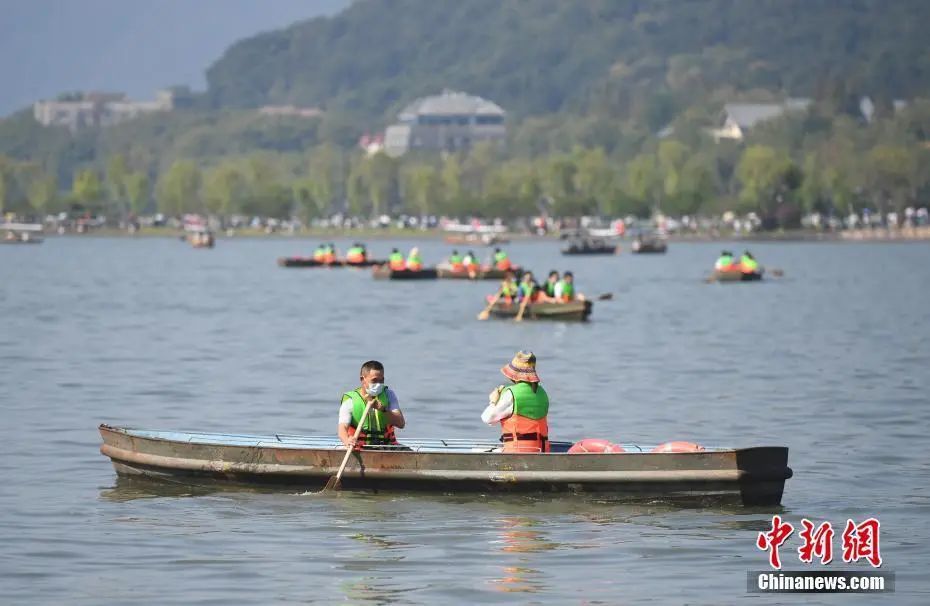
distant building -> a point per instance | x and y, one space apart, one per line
449 121
105 109
740 118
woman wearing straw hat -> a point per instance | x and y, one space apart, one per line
520 408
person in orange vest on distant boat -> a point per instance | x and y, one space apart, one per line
414 260
396 260
748 263
456 262
319 253
501 260
724 262
521 408
470 261
377 429
329 253
356 254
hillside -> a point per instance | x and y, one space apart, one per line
543 56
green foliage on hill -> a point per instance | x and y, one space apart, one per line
632 59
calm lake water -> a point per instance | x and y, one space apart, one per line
830 360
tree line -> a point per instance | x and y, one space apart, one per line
816 161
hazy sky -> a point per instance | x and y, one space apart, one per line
133 46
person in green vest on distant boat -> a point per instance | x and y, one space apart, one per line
522 408
565 289
396 260
319 253
501 260
385 415
724 262
551 283
748 264
456 261
356 254
414 260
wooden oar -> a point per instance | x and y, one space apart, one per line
607 296
523 304
487 310
333 482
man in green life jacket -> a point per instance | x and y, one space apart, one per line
501 260
396 260
385 414
319 252
724 261
414 260
748 264
551 283
356 254
456 261
565 289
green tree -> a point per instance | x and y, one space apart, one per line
421 188
43 192
117 169
136 185
890 172
224 189
87 189
178 189
643 179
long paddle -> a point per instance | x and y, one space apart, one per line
523 303
487 310
333 482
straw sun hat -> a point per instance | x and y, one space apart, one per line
522 367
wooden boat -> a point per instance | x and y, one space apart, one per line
21 233
649 245
384 272
572 311
445 272
735 276
590 247
751 476
311 262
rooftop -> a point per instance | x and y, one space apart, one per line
451 103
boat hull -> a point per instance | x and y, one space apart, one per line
310 262
446 273
754 476
384 272
642 248
736 276
573 311
601 250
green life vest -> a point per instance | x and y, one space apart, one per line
526 288
748 263
725 260
527 403
319 252
376 423
550 288
469 260
455 260
498 257
509 289
396 257
568 289
355 250
414 260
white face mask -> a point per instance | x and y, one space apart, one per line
375 389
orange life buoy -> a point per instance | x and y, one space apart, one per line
678 447
595 445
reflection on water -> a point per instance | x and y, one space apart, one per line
521 535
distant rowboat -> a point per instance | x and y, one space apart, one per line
385 272
750 476
446 272
736 276
21 233
572 311
311 262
